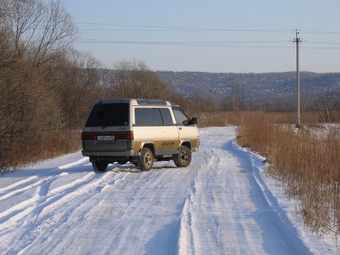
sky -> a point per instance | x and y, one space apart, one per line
220 36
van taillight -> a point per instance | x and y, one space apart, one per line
119 135
129 135
88 136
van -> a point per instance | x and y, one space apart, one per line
139 131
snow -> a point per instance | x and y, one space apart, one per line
223 203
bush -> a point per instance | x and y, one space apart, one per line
305 161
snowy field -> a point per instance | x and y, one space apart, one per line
223 203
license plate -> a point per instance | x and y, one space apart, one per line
105 137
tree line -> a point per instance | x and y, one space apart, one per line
47 87
44 82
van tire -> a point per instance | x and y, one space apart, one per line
184 157
99 166
146 160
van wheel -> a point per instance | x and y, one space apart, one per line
184 157
146 160
99 166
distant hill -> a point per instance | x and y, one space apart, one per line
254 88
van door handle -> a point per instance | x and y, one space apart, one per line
180 128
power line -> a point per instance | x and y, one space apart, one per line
320 32
329 43
173 42
238 44
234 44
214 44
199 29
161 28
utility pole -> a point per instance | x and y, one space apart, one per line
297 41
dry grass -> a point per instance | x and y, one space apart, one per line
237 118
220 119
305 160
15 153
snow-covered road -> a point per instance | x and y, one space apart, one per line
221 204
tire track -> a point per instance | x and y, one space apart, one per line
48 209
31 182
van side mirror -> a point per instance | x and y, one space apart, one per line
194 121
189 122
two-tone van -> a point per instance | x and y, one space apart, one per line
139 131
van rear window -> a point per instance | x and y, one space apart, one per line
103 115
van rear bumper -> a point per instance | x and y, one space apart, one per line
127 153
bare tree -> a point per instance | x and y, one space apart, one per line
135 80
326 104
37 30
21 22
33 38
58 33
78 78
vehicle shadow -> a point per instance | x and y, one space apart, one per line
131 168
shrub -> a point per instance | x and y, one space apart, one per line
305 161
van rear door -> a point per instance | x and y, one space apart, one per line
107 128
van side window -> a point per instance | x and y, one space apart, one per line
180 116
153 117
157 117
166 117
143 117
